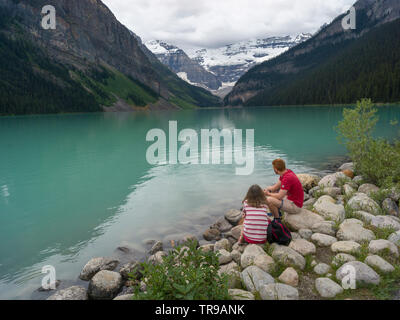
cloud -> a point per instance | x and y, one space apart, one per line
213 23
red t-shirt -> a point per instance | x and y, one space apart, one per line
292 184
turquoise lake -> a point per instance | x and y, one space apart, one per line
74 187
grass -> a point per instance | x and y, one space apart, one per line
381 233
363 252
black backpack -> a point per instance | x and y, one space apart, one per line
278 233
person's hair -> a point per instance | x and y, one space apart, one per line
279 165
255 197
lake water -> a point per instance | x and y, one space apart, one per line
73 187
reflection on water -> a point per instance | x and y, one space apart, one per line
77 186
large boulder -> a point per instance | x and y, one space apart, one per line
327 288
279 291
228 268
71 293
223 244
381 245
363 273
331 180
303 247
224 257
288 256
361 202
308 181
97 264
105 285
326 206
233 216
353 230
323 240
348 190
368 189
254 278
305 219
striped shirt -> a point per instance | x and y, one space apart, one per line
255 224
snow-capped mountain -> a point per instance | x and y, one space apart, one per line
222 66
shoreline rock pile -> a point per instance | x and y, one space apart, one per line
336 230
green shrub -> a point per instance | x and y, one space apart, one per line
185 274
377 160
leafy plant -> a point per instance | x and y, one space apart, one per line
186 273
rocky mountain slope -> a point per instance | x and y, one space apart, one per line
334 66
90 62
218 69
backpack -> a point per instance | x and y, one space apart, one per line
278 233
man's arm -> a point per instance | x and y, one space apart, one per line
273 188
280 195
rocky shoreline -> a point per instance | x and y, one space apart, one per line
340 226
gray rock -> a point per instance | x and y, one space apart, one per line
264 262
228 268
207 247
342 258
368 189
158 246
224 257
361 202
212 234
309 203
124 297
305 219
349 247
386 222
323 240
236 256
71 293
363 273
380 245
347 166
222 225
393 194
390 207
249 254
333 191
327 288
279 291
358 179
395 238
326 206
331 180
348 189
290 277
236 232
233 216
379 263
105 285
305 234
254 278
132 268
157 258
303 247
222 244
237 294
288 256
321 269
353 230
97 264
308 181
325 227
313 191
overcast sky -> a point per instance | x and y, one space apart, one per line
213 23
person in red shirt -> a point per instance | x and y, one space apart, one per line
287 194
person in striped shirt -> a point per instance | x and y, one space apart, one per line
256 219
